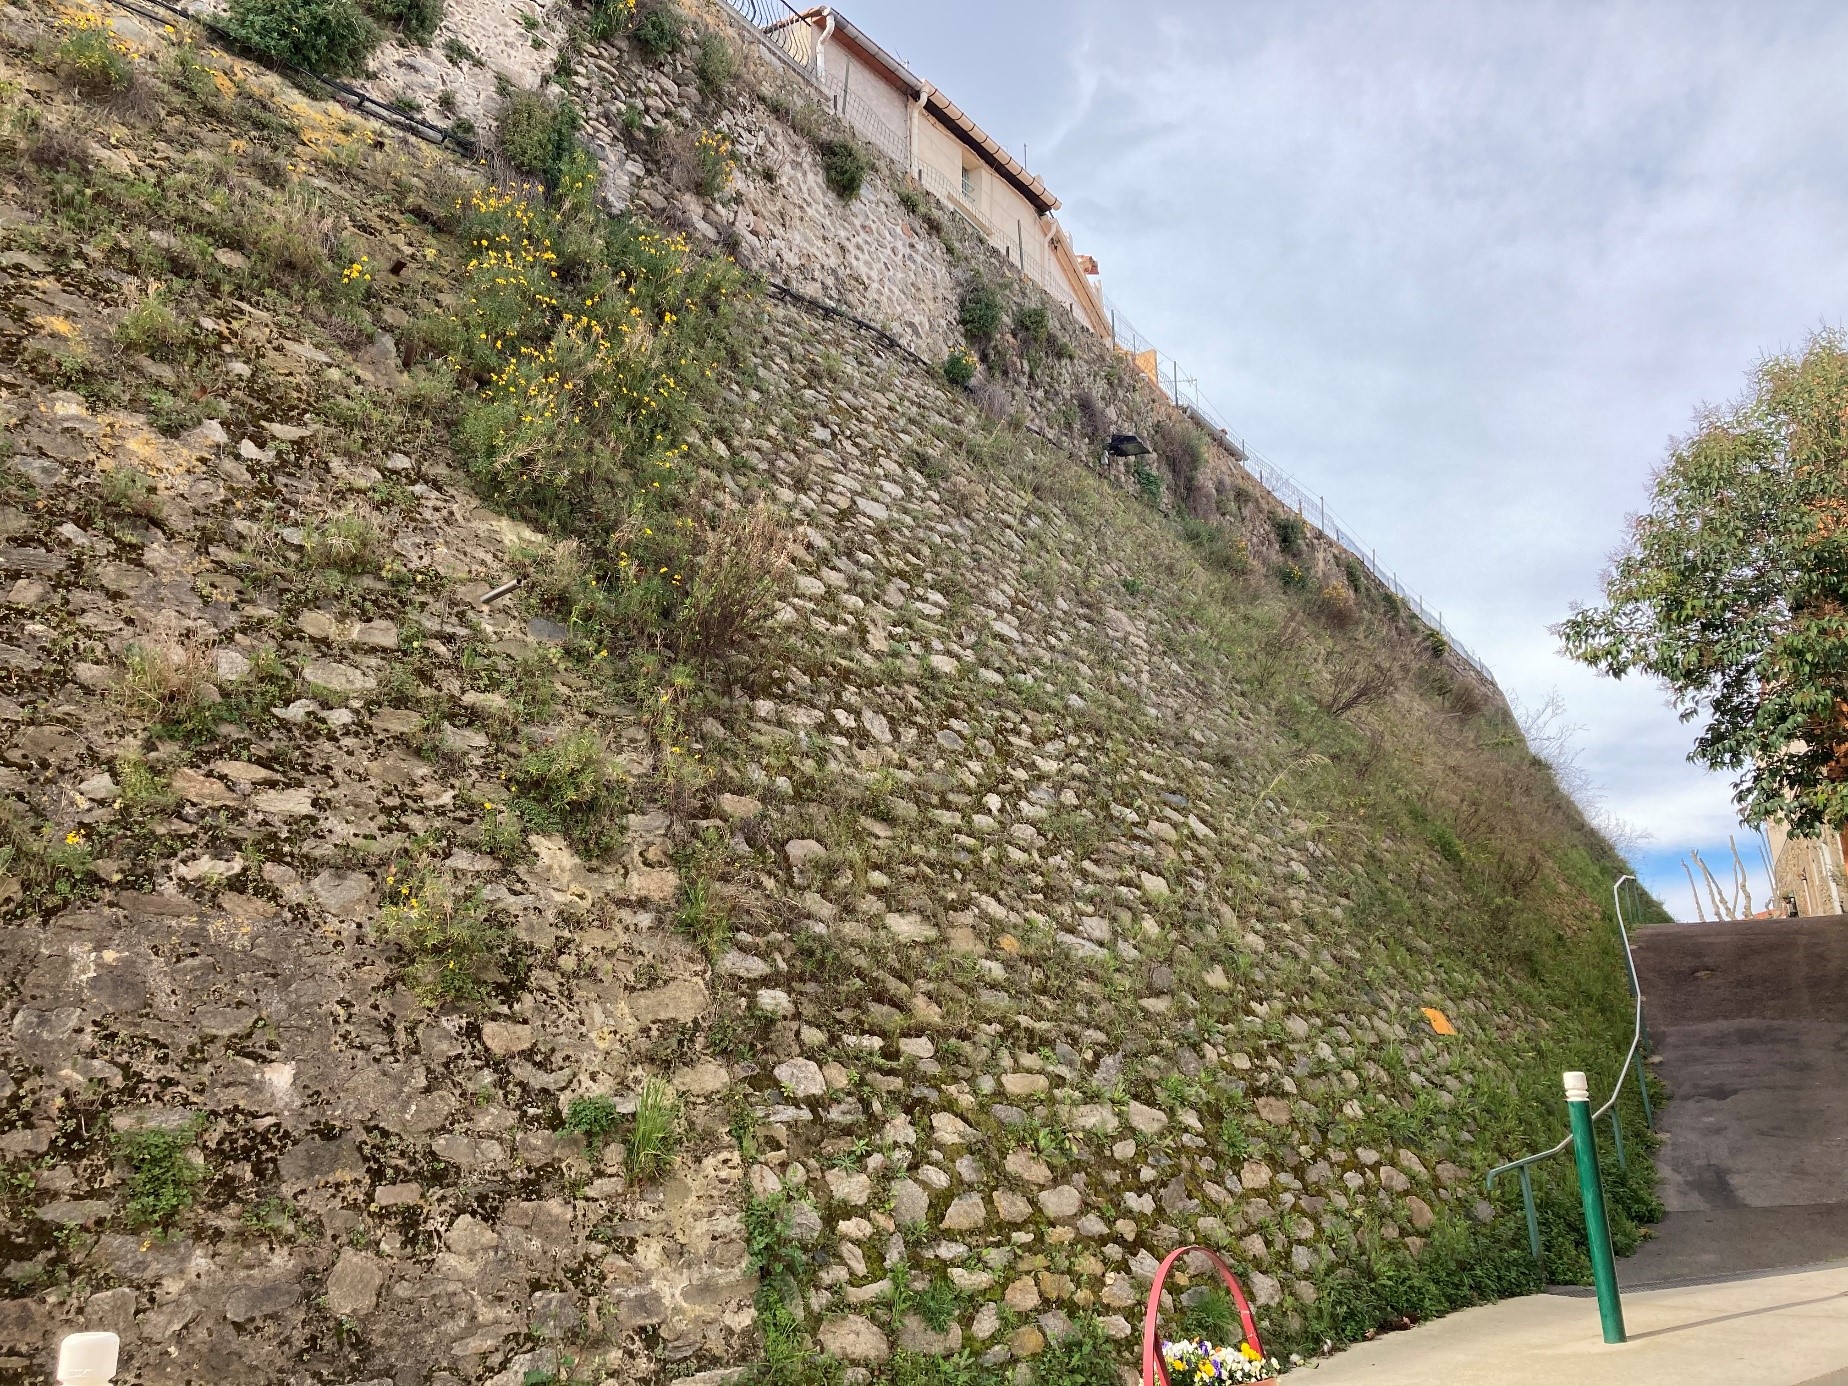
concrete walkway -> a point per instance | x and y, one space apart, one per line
1787 1329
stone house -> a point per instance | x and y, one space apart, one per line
904 116
1809 872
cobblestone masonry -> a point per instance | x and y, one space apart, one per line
1020 922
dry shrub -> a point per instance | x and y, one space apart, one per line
1355 678
59 148
677 147
350 543
1465 697
1202 499
991 399
740 576
1092 416
559 574
164 683
301 238
1279 651
1336 606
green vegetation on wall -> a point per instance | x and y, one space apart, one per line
777 751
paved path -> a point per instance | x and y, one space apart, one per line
1751 1022
1788 1329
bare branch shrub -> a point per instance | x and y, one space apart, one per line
1356 678
1280 650
59 148
740 575
992 399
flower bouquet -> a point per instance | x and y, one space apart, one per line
1191 1361
1194 1361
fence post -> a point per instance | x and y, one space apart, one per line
1591 1192
1642 1086
1533 1219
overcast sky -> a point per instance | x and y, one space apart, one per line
1465 268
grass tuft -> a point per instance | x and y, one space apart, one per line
455 950
655 1130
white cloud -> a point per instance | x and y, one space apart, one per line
1465 268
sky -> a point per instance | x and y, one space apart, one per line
1467 269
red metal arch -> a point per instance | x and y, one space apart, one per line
1154 1370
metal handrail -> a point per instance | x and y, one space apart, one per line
1633 1059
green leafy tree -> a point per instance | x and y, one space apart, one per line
1732 589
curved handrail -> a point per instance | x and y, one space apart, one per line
1526 1160
1630 1060
1636 990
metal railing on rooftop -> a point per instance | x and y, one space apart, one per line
783 25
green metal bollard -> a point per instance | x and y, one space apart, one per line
1591 1189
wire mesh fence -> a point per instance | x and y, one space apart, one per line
870 123
1168 376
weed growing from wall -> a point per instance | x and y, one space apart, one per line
1217 546
39 864
702 917
588 338
163 1178
608 18
783 1270
453 947
416 20
152 328
331 37
660 28
93 60
981 313
594 1118
538 136
712 163
654 1130
844 164
716 66
570 787
1292 535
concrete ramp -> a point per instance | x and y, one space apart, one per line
1750 1020
1751 1023
1774 1330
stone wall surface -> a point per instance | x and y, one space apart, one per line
893 256
1061 923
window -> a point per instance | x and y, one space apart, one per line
968 182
